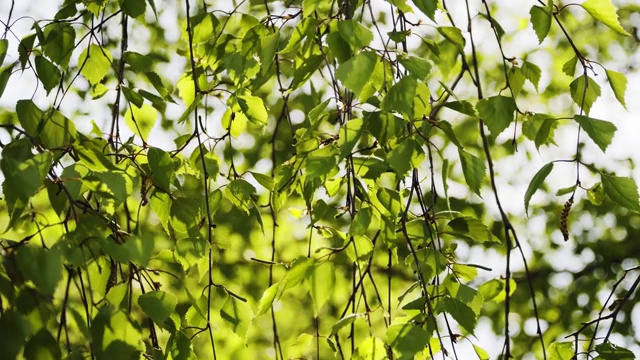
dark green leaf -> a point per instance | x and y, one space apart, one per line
15 328
498 112
473 170
541 21
48 73
42 267
536 183
609 351
4 45
461 313
470 228
133 8
600 131
516 80
428 7
621 190
5 74
400 157
584 92
42 346
407 339
462 106
59 43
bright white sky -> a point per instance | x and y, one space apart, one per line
626 143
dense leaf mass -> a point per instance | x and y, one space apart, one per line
312 179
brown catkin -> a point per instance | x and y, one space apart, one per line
564 216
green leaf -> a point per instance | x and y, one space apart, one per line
567 190
311 6
621 190
5 74
609 351
584 93
361 222
516 80
470 228
48 73
345 321
355 72
237 316
536 183
600 131
418 67
264 180
595 194
158 305
4 45
371 348
560 351
541 21
58 45
95 62
57 131
428 7
41 266
304 28
618 84
569 67
498 112
180 347
136 249
15 328
482 354
239 192
473 170
401 96
253 108
133 8
42 346
23 176
461 313
140 120
605 12
453 35
400 157
161 166
322 284
267 298
532 72
390 200
354 33
407 339
462 106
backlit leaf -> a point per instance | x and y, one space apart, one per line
605 12
158 305
618 84
48 73
95 62
253 108
355 73
354 33
140 120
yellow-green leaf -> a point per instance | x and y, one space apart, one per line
618 84
95 62
605 12
141 120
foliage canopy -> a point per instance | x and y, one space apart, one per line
317 179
